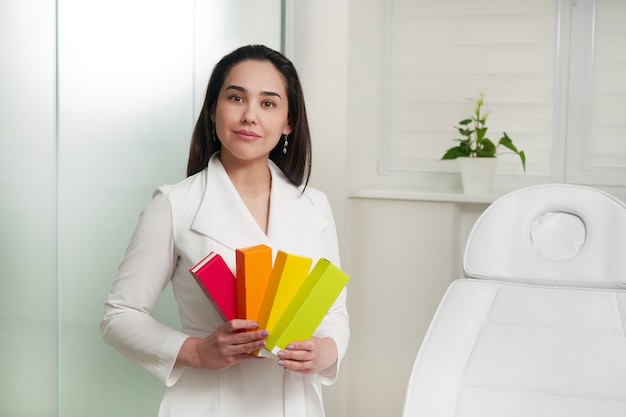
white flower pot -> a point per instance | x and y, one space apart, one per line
477 174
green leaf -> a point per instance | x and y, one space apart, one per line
456 152
508 143
487 149
465 122
480 133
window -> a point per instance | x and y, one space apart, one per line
596 128
553 73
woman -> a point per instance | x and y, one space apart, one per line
248 170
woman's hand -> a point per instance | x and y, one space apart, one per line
310 356
230 343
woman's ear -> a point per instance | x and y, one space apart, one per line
212 114
287 130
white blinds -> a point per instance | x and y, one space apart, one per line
597 128
443 53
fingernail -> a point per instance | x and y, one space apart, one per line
281 363
290 347
253 324
264 333
281 354
262 343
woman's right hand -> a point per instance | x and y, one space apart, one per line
230 343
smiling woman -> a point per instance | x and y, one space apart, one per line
244 195
250 111
98 120
243 96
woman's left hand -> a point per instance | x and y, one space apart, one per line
310 356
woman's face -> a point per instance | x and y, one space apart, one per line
251 113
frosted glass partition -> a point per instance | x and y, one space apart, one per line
28 279
96 111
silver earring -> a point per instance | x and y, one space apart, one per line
285 137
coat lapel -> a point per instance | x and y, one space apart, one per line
222 214
294 222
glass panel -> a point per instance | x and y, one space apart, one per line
125 105
27 210
132 76
80 157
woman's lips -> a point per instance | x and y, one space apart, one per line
246 134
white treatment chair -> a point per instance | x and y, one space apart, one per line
538 326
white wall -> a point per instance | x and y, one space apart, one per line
401 255
324 76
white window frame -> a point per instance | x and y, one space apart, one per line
572 91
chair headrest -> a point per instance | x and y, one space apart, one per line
551 234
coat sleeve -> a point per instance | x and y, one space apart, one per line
336 322
144 272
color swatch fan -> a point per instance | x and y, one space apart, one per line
287 299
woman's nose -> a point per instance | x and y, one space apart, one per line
249 115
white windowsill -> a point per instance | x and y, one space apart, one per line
445 194
387 192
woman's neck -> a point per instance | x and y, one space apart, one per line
253 182
247 174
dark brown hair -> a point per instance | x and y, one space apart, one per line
296 163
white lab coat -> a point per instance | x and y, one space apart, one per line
182 224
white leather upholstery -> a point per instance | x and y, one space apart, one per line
527 335
501 245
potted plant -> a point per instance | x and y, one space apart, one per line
477 152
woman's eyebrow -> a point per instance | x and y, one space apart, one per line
243 90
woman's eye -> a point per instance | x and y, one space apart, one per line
235 98
269 104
